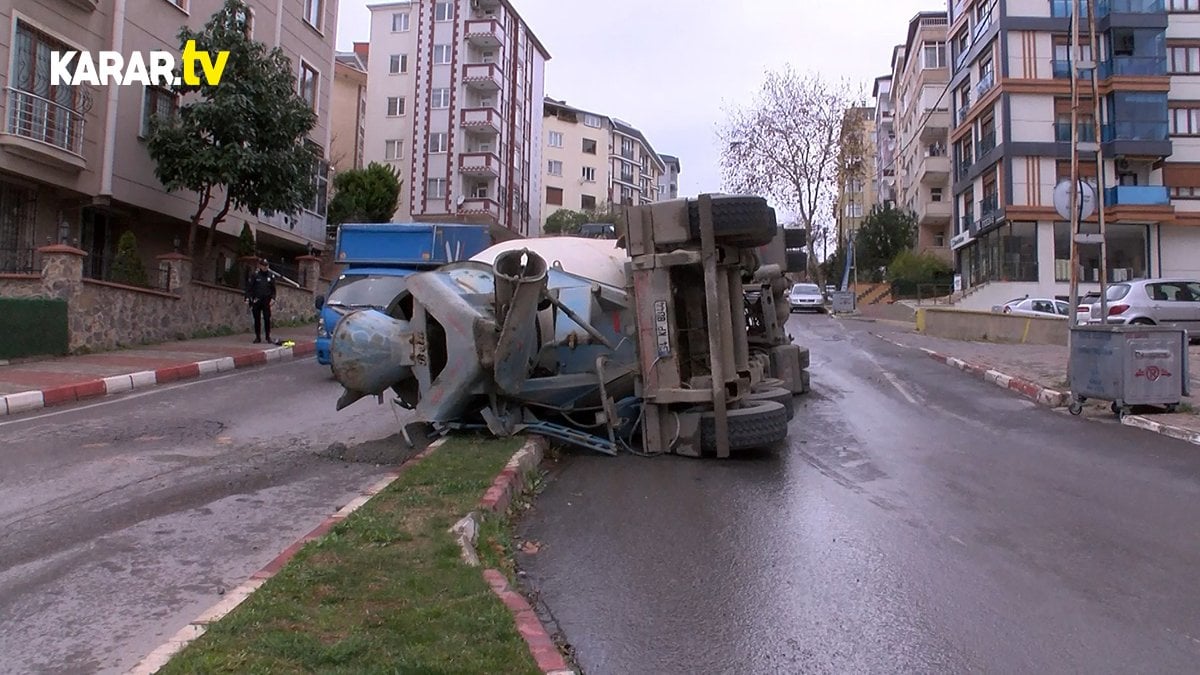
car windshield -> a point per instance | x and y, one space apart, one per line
361 290
805 289
1117 291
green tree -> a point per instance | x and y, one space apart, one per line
369 195
127 266
246 246
884 234
244 136
565 221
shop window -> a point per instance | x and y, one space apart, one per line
1127 247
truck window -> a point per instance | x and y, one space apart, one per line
360 290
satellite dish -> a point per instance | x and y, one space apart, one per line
1062 199
461 199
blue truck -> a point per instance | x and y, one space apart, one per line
379 256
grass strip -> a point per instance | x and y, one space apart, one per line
384 592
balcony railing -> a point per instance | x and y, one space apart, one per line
1134 131
43 120
16 260
1133 65
985 144
963 111
1106 7
485 75
487 206
1137 195
989 205
1087 132
963 167
1062 70
486 163
481 119
966 223
985 84
487 33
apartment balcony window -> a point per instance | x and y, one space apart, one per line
986 82
626 173
1133 65
1087 131
36 109
1107 7
1135 51
1137 195
989 205
966 222
985 144
1062 8
627 148
1134 131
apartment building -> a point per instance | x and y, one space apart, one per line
74 167
1011 135
668 184
920 75
348 118
454 97
594 162
884 138
857 180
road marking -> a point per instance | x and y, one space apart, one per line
958 541
900 387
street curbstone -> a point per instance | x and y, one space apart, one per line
225 364
541 645
117 384
92 389
209 367
145 378
1169 430
58 395
23 401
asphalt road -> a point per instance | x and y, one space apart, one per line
918 520
123 520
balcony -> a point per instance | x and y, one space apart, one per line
934 213
986 83
483 76
485 34
1134 131
1133 65
985 144
479 206
988 206
1107 7
1137 195
479 163
43 130
966 223
963 110
1062 70
482 120
934 169
937 125
1062 8
964 167
1087 132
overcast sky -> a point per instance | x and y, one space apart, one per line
669 67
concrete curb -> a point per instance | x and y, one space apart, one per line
25 401
231 600
1140 422
1051 398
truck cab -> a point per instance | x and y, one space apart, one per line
377 258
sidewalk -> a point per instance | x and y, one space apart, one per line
32 384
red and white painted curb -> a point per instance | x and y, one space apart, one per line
1043 395
507 484
1180 433
25 401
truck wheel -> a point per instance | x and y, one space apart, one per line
755 425
777 394
745 222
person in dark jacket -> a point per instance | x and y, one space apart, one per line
260 295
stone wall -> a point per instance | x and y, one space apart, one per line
103 315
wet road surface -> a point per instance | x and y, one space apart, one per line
919 520
122 521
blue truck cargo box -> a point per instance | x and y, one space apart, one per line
414 245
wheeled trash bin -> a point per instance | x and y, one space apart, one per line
1129 365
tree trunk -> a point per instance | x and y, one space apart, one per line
216 220
194 226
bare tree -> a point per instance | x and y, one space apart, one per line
785 146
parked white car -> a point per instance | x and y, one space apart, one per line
1044 307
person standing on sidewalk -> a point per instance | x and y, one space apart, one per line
260 295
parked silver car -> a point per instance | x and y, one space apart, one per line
1152 302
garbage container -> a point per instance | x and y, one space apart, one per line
843 302
1128 365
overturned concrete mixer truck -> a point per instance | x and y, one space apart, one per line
669 339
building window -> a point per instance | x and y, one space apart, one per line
626 172
440 98
393 149
1181 6
555 168
443 11
1008 253
1185 192
398 64
589 146
854 210
395 106
591 121
400 22
1183 59
320 179
437 143
627 148
441 55
935 194
556 139
935 55
1127 247
313 12
308 84
157 102
589 174
587 203
554 196
435 188
1185 121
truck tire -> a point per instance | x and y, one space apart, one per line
777 394
795 237
797 261
755 425
744 222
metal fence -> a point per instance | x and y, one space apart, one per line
17 260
